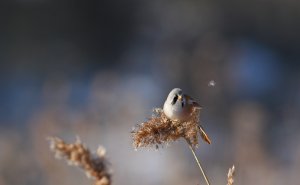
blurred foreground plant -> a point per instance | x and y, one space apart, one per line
76 154
230 175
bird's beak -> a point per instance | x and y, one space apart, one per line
179 97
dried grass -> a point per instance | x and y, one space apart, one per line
76 154
158 130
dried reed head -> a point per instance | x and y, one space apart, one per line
160 130
76 154
230 175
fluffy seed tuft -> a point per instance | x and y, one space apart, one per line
159 130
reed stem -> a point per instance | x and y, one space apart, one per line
198 162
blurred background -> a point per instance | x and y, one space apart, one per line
95 69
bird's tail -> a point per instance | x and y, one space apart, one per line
203 134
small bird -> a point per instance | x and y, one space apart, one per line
179 106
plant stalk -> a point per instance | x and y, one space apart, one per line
198 162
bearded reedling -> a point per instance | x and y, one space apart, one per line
179 106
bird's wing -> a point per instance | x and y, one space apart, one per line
191 101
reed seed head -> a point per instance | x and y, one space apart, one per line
76 154
230 175
159 130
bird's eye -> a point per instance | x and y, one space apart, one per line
174 99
